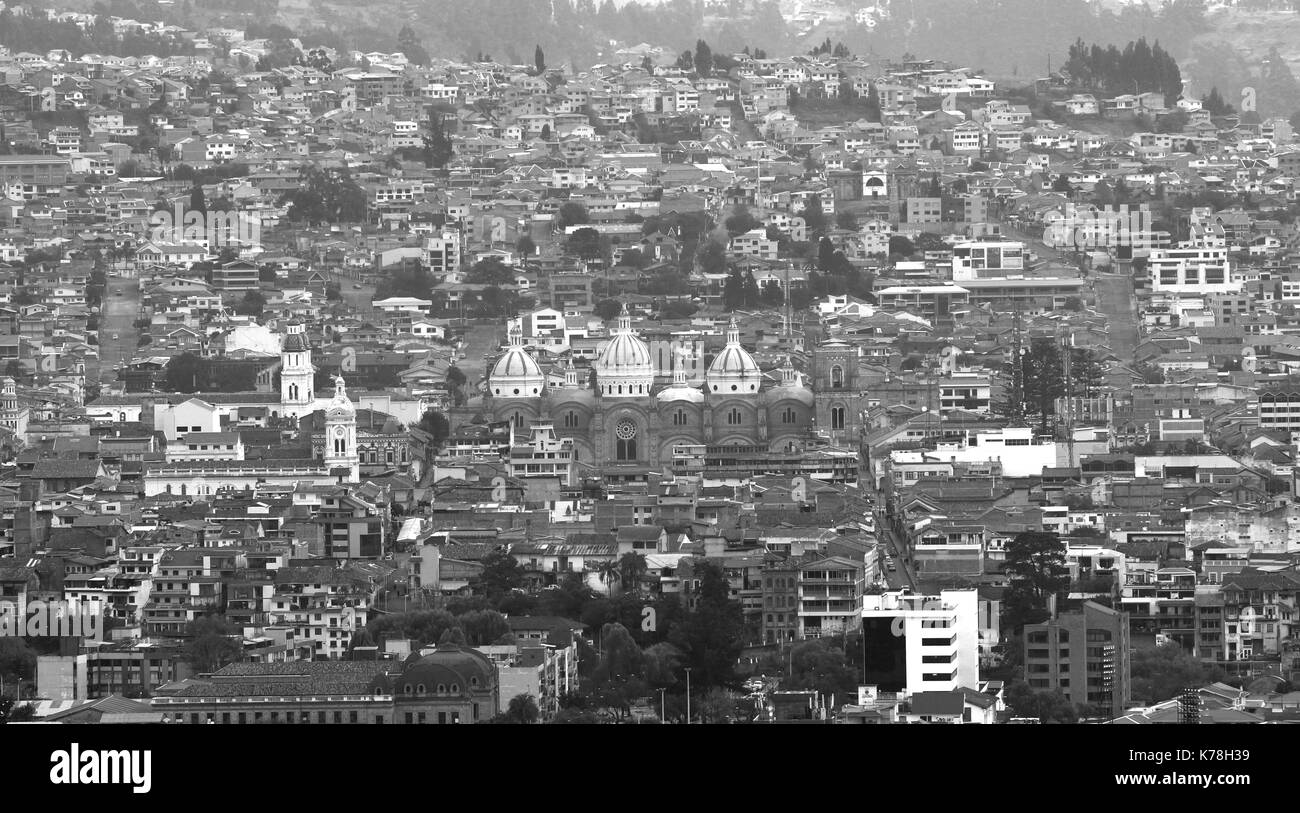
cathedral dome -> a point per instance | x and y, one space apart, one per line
517 374
680 390
790 388
624 366
734 369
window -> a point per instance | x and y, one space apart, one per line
837 377
570 420
837 417
442 688
679 418
788 416
733 417
625 432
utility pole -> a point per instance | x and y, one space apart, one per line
688 695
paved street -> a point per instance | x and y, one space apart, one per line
1115 298
117 319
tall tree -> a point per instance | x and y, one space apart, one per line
1043 377
438 149
1035 562
703 60
539 60
213 642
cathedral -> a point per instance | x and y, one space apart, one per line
625 425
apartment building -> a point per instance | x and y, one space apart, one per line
919 643
1084 655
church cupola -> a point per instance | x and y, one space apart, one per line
624 368
517 374
734 369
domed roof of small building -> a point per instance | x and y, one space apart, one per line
734 369
791 387
679 390
340 403
450 666
295 340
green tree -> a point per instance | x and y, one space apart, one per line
253 304
17 659
1043 376
710 635
522 709
213 642
436 424
823 667
900 246
1035 563
490 271
438 148
539 60
813 215
703 60
741 221
1047 706
186 373
573 213
607 309
453 636
483 627
326 196
1163 672
733 290
455 384
501 573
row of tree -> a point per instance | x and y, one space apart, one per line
1138 68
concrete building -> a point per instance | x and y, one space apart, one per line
1084 655
916 643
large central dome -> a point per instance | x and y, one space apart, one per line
624 367
734 369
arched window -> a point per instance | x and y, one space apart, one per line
733 417
455 688
184 489
473 683
408 688
837 377
788 416
570 420
442 688
420 688
679 418
837 417
625 432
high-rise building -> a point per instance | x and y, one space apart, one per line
915 643
1084 654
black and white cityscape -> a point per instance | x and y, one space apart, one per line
692 362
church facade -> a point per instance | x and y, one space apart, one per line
620 422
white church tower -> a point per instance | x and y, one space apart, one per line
341 434
296 374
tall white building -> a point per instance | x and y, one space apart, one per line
296 374
917 643
341 434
